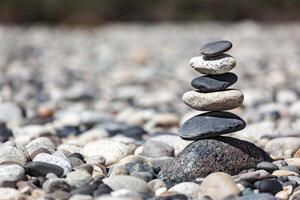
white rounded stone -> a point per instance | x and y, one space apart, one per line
216 65
111 151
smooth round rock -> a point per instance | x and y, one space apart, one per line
40 145
78 178
156 149
269 186
268 166
37 169
217 65
214 83
211 124
129 183
111 151
216 48
252 176
213 101
218 186
11 174
202 157
9 153
189 189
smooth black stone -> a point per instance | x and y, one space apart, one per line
5 133
213 83
132 131
77 155
203 157
102 189
211 124
37 169
216 48
269 186
283 179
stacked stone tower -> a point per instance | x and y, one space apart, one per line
212 94
210 151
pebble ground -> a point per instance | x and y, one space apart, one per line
75 86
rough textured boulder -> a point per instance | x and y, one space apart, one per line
221 154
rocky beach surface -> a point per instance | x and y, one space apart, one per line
95 113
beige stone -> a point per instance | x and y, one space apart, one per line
213 101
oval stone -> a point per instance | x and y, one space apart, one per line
214 83
10 175
216 48
211 124
223 100
217 65
203 157
128 183
110 150
37 168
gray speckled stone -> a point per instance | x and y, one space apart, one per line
202 157
216 48
213 83
210 124
217 65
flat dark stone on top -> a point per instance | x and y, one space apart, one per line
37 169
211 124
216 48
213 83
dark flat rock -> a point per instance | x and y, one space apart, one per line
269 186
216 48
211 124
203 157
213 83
37 169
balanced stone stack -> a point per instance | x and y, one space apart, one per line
212 94
211 151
